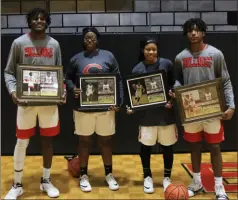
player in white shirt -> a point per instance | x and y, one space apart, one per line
89 91
153 84
208 95
31 81
48 78
106 87
139 90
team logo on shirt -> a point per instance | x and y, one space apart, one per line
38 52
199 61
92 68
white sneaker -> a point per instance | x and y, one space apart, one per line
220 192
148 185
166 182
15 191
47 187
194 188
112 183
84 184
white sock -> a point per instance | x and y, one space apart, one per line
218 180
19 158
46 173
197 177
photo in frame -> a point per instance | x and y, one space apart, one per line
39 84
200 102
99 91
147 90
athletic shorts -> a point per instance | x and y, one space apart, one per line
212 130
165 135
101 123
48 118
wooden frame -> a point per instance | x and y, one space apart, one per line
147 90
39 84
99 91
199 102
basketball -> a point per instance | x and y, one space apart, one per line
176 192
74 167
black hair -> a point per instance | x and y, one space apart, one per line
189 25
90 29
143 43
35 12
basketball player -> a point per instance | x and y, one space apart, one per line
34 48
139 91
197 63
89 91
156 124
90 61
106 87
153 84
208 95
48 78
31 83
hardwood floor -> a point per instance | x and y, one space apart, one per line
127 170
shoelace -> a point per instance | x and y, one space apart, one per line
16 185
46 180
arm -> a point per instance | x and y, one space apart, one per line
115 69
178 72
170 75
10 70
221 71
70 78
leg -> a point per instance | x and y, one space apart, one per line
49 127
193 133
214 135
167 137
26 122
105 128
147 137
84 127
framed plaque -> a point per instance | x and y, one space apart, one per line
147 90
39 84
199 102
99 91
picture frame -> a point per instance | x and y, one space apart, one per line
39 84
147 90
201 101
99 91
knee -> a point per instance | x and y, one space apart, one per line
105 140
215 147
196 146
145 149
85 141
22 143
46 142
167 149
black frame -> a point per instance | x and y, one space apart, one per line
94 78
217 83
142 77
36 99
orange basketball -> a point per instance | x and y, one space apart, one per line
176 192
74 167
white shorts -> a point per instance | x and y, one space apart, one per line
212 129
165 135
48 117
102 123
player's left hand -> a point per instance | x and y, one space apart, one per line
169 104
227 115
64 99
114 108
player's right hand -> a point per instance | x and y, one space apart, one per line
77 92
14 97
172 94
128 110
